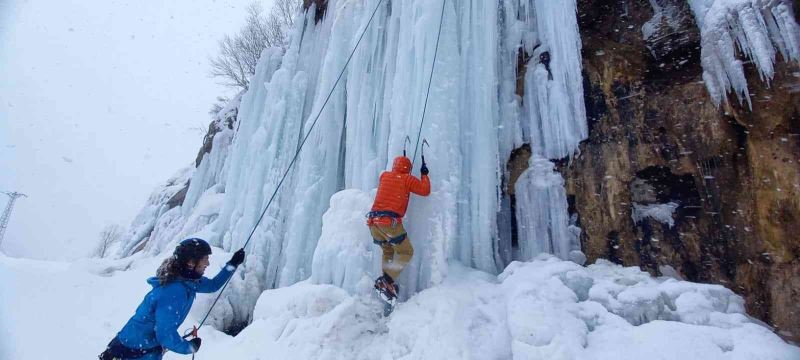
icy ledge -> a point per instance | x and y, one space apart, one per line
544 309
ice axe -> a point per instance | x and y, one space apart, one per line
408 140
424 143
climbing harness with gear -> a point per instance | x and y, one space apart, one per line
116 351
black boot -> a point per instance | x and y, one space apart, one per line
386 287
394 287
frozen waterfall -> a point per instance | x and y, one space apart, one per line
474 120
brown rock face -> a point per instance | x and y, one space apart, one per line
655 137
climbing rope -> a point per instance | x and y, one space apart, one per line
294 159
430 80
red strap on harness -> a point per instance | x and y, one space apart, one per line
190 333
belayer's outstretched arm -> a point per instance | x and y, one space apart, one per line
207 285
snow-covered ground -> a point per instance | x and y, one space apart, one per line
544 309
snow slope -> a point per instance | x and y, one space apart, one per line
544 309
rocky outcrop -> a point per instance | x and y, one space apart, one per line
668 181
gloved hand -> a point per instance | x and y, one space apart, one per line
195 344
424 169
237 258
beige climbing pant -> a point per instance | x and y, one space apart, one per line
397 249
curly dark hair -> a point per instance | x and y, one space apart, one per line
169 271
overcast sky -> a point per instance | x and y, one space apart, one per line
100 102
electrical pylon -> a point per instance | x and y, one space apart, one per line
7 214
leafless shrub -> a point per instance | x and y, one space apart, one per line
110 235
239 53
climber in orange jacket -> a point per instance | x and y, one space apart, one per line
386 220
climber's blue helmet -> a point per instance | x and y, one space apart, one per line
191 249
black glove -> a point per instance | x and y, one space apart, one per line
238 258
195 344
424 169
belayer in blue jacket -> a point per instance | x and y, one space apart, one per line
153 329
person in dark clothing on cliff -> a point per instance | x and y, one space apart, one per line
153 329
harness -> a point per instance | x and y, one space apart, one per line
396 218
115 350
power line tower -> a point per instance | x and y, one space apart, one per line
7 214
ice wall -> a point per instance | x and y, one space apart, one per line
474 120
377 105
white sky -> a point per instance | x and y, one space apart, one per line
100 102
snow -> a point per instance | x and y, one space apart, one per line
663 213
758 29
546 308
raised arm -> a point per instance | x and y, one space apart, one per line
206 285
417 186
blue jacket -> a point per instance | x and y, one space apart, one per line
163 309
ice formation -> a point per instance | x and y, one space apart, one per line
346 256
542 217
758 29
474 120
662 213
553 82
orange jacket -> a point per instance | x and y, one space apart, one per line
394 188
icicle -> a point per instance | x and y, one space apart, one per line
756 27
542 217
553 82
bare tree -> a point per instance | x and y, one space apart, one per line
283 12
110 234
238 56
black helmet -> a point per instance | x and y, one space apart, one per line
191 249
